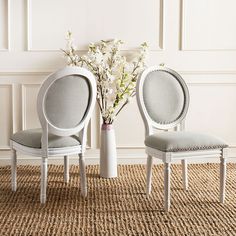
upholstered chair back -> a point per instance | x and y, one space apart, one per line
65 100
163 97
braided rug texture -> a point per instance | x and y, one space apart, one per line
118 206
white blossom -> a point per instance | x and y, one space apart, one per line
116 75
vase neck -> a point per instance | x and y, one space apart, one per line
107 126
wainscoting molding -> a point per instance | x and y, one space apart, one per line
184 20
24 104
32 48
129 153
6 35
10 114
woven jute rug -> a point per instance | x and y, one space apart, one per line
117 206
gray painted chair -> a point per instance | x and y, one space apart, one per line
163 101
65 103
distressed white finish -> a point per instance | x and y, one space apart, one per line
223 175
47 127
13 170
185 173
169 157
167 172
82 169
66 169
44 176
149 174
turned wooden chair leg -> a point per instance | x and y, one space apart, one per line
66 169
149 174
222 175
44 168
13 170
83 181
167 171
185 174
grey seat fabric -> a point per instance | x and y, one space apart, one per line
32 138
183 141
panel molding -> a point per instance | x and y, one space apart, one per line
12 109
29 25
23 103
29 47
182 34
93 141
161 26
8 48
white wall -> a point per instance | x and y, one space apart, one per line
195 37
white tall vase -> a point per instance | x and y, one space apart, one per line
108 156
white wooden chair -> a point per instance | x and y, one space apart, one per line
65 103
163 101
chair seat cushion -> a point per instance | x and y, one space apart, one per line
32 138
183 141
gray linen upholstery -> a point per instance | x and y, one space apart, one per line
67 101
32 138
163 97
183 141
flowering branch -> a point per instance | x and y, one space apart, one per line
116 77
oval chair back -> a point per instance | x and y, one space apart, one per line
162 97
66 100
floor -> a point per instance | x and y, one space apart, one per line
117 206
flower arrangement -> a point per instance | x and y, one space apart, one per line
116 76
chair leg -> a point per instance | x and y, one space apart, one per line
185 174
167 171
13 170
222 177
83 182
66 169
149 174
44 168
